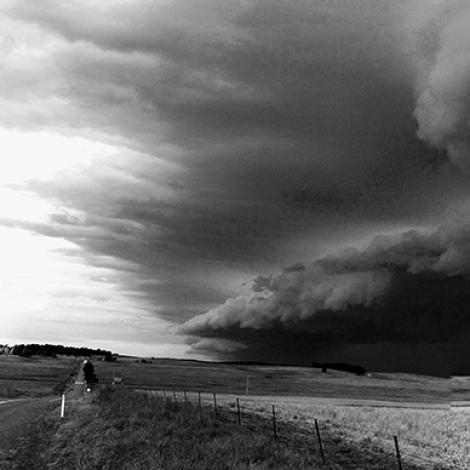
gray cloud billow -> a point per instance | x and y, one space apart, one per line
407 288
443 79
249 127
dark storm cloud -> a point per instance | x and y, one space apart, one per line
407 288
259 101
242 125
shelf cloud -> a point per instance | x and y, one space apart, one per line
407 287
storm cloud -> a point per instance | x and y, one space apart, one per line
410 287
214 142
443 78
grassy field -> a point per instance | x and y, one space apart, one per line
36 376
272 380
128 430
460 388
432 437
414 408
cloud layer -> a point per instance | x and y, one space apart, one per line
212 141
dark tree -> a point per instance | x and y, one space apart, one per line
89 372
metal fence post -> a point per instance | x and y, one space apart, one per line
319 441
397 449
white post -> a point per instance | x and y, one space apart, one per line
62 408
247 384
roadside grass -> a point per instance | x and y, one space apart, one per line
120 429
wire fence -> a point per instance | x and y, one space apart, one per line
314 435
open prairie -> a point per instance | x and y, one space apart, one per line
460 390
172 374
353 412
429 436
34 376
364 411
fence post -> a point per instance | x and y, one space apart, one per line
185 398
215 406
247 384
274 423
199 406
62 406
400 467
319 441
238 413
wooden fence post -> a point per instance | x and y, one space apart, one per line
199 405
215 406
397 449
238 413
274 423
319 441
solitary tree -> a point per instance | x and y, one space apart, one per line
89 372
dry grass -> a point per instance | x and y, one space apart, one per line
435 438
124 430
271 380
155 435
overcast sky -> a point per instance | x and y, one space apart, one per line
262 180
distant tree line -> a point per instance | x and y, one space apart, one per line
359 370
54 350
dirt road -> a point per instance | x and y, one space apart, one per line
21 432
